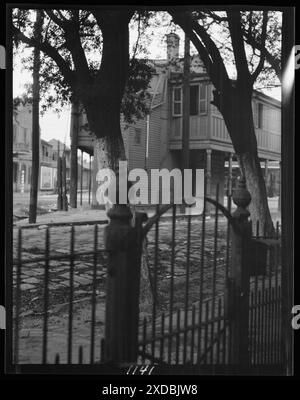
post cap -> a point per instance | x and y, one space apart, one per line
241 198
120 212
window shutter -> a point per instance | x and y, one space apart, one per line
194 99
255 114
203 98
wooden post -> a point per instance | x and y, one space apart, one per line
267 176
239 277
34 181
74 159
229 187
279 194
266 170
81 176
59 184
123 243
90 180
22 180
64 184
208 179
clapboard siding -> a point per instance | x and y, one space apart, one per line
137 151
211 126
218 129
154 138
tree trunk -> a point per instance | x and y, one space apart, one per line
234 101
146 292
74 161
236 108
259 209
108 151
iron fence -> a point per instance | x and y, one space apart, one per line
188 321
52 266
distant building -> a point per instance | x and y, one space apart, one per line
156 141
22 156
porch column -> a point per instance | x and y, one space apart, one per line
229 186
279 194
208 172
208 180
266 170
20 177
74 162
23 170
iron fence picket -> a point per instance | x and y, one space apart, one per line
214 269
46 298
187 286
172 282
93 299
18 299
202 267
71 281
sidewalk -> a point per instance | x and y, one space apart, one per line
85 213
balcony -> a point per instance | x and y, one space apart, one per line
21 147
210 131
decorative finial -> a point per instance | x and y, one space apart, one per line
242 198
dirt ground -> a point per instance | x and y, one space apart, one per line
32 278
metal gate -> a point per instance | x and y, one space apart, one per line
196 316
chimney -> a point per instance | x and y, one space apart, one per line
172 46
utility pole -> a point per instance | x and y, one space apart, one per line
35 121
74 158
185 111
59 180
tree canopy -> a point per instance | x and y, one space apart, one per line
72 44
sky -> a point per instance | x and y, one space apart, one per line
57 126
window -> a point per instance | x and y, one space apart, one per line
177 102
260 115
194 99
203 98
137 136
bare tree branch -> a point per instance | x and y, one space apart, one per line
263 45
61 23
234 22
51 52
272 60
206 47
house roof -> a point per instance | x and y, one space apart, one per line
57 143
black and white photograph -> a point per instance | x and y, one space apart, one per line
149 187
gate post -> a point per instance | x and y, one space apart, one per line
123 243
239 277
